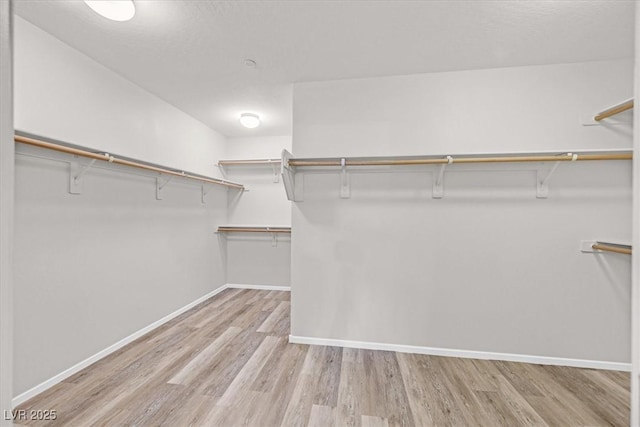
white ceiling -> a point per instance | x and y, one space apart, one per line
190 53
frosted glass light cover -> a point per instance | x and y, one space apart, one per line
116 10
249 120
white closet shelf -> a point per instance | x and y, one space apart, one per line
249 162
477 158
274 164
614 109
294 185
252 229
106 157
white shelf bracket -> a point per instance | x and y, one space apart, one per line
345 187
293 182
542 187
205 191
274 239
76 172
276 172
438 182
160 185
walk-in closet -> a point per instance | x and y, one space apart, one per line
319 213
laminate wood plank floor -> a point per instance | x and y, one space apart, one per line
227 362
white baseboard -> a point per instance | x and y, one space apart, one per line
21 398
259 287
468 354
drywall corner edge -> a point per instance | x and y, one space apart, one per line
7 204
466 354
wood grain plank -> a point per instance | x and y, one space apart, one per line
322 416
371 421
278 313
191 370
249 371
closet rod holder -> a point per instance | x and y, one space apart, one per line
616 109
608 247
111 159
453 160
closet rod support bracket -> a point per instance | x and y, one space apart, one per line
276 172
438 181
345 186
160 185
204 193
543 178
76 172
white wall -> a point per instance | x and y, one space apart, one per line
6 209
489 267
93 268
252 259
498 110
266 201
65 95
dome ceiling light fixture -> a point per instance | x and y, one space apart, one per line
250 120
116 10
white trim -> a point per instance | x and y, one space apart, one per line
258 287
21 398
468 354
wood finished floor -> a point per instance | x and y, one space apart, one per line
227 362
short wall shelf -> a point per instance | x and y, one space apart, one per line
223 230
290 166
248 162
252 229
274 164
78 170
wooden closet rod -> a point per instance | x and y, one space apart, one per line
620 249
616 109
231 229
108 158
451 160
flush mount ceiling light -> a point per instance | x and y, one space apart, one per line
249 120
116 10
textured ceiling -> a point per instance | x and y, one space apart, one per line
190 53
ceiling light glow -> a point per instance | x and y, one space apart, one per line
249 120
116 10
